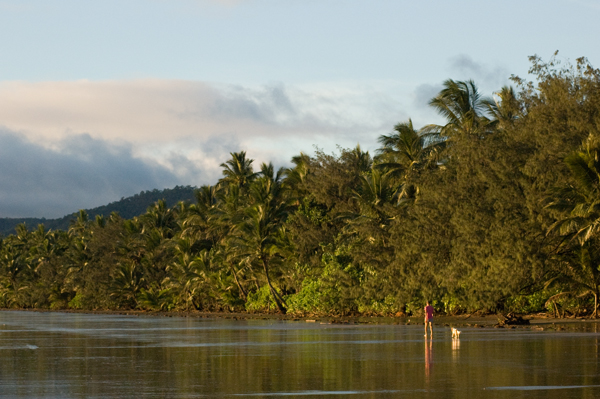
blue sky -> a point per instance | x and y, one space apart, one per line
103 99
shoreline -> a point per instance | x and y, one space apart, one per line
538 322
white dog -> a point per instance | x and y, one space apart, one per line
455 333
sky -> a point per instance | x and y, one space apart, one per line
102 99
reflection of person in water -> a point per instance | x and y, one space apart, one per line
428 358
428 318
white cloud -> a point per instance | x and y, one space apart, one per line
155 115
172 131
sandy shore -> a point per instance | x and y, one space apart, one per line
538 322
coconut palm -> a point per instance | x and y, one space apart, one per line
201 219
79 226
579 274
578 208
13 266
295 177
464 109
375 196
238 170
127 283
406 151
505 109
161 219
579 204
257 234
187 274
376 189
360 161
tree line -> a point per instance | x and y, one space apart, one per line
497 209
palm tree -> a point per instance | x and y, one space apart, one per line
579 272
200 221
232 203
295 177
376 188
155 298
211 221
161 219
207 198
579 204
359 160
464 109
406 151
376 194
238 170
506 109
187 274
257 234
13 265
127 283
578 207
79 226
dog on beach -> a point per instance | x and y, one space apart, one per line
455 333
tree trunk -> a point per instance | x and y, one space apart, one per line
242 291
274 293
596 304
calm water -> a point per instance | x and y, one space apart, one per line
54 355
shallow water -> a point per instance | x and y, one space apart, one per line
56 355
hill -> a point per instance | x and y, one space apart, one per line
126 207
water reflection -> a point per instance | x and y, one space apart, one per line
52 355
428 358
455 346
541 388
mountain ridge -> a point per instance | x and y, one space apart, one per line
126 207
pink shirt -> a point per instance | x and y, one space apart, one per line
429 312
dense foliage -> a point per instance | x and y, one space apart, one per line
498 209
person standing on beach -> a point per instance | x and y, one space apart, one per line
428 318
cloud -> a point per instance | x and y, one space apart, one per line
163 110
269 105
492 78
82 144
163 118
81 172
424 93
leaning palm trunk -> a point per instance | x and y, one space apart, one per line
242 291
278 299
595 302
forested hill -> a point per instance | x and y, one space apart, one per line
125 207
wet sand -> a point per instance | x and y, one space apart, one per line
537 322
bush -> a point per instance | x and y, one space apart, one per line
260 300
387 306
314 296
77 302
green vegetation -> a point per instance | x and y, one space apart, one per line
498 209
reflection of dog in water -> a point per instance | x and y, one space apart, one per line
455 333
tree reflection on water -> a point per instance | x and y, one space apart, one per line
80 355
